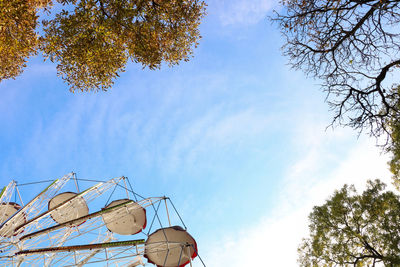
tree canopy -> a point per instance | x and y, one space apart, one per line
353 229
394 144
18 38
92 40
352 47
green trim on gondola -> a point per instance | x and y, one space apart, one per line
83 247
2 191
50 185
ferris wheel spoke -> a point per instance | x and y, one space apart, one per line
67 234
81 254
86 259
115 244
86 224
7 208
61 241
114 256
71 223
45 218
32 208
7 192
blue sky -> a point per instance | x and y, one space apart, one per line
236 138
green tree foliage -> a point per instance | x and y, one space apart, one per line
353 47
92 40
394 143
353 229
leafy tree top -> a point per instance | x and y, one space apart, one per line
353 229
92 40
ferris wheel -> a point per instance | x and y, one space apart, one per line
106 224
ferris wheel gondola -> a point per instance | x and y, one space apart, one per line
77 230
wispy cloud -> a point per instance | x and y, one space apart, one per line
232 12
160 132
276 237
215 131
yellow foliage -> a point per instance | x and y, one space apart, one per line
92 43
18 39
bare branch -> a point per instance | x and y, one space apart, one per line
352 46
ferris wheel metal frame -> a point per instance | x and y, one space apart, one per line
55 228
